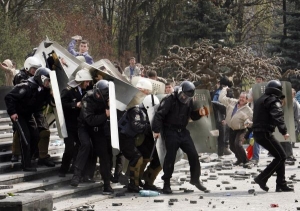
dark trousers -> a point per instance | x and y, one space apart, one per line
71 149
175 139
92 144
236 144
85 149
102 149
268 141
146 148
129 150
31 133
221 137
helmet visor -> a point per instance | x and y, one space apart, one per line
183 98
45 81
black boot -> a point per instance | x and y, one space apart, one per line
261 184
14 158
147 186
131 187
283 188
167 187
46 161
107 189
199 185
76 177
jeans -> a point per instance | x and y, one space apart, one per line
256 151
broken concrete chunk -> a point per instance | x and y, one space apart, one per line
251 191
158 200
6 187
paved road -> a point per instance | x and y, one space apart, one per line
220 198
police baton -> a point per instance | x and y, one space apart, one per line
151 155
19 128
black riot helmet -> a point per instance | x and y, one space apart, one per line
42 77
186 91
274 87
101 88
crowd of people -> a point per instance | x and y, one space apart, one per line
85 102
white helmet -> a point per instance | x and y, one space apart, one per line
144 84
83 75
32 62
150 101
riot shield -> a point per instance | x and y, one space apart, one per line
158 87
259 89
66 66
203 130
160 143
58 111
113 119
110 68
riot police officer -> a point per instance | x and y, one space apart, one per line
91 121
268 114
172 117
22 103
134 122
71 102
31 64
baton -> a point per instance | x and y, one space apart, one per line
151 155
21 131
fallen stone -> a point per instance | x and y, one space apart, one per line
116 204
173 200
218 185
225 182
193 202
188 191
222 202
251 191
6 187
158 200
171 203
201 197
214 206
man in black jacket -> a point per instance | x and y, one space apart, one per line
31 64
25 100
172 117
268 114
71 102
91 121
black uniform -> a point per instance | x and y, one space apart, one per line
91 122
135 121
26 99
70 96
268 114
20 77
172 117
